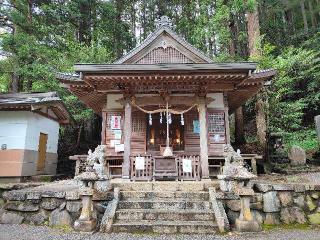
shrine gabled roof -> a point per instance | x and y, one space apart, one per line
153 36
164 37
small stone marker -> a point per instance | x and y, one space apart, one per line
297 155
317 121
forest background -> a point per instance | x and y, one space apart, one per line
39 38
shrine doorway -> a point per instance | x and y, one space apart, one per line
157 133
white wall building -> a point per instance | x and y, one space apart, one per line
29 133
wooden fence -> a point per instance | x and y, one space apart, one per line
145 174
194 174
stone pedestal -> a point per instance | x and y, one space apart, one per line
86 223
246 222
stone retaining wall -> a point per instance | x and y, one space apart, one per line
271 204
275 204
51 207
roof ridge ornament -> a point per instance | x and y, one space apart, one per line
163 21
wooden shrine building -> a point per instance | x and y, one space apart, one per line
163 103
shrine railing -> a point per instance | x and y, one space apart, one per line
182 167
141 168
188 167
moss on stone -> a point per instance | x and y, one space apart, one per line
310 203
304 226
314 218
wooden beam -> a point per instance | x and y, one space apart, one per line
173 100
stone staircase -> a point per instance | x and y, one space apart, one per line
164 212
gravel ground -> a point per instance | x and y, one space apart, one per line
27 232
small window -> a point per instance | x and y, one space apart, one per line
216 123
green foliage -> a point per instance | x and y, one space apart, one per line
306 138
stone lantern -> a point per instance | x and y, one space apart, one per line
235 179
86 223
95 173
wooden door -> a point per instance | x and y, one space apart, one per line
42 149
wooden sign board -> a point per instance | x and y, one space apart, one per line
140 163
187 165
115 122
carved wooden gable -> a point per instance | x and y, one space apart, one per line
164 55
164 46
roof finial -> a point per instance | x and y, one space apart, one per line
164 21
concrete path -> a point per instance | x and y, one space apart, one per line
27 232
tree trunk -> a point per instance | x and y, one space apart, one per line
118 33
254 34
85 23
313 19
239 128
15 82
261 119
255 52
304 16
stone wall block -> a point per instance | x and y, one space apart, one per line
285 198
286 217
60 218
271 202
310 204
299 188
232 216
25 206
272 219
299 201
262 187
11 218
258 216
2 202
315 195
234 205
53 194
38 218
33 195
72 195
298 215
256 205
73 206
283 187
51 203
14 195
314 219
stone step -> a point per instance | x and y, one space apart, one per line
164 204
158 214
131 195
188 186
165 226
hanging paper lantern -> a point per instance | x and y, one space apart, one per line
150 119
182 120
169 118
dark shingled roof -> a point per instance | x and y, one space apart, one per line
33 102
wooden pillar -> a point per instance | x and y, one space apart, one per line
203 138
103 127
127 139
226 117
